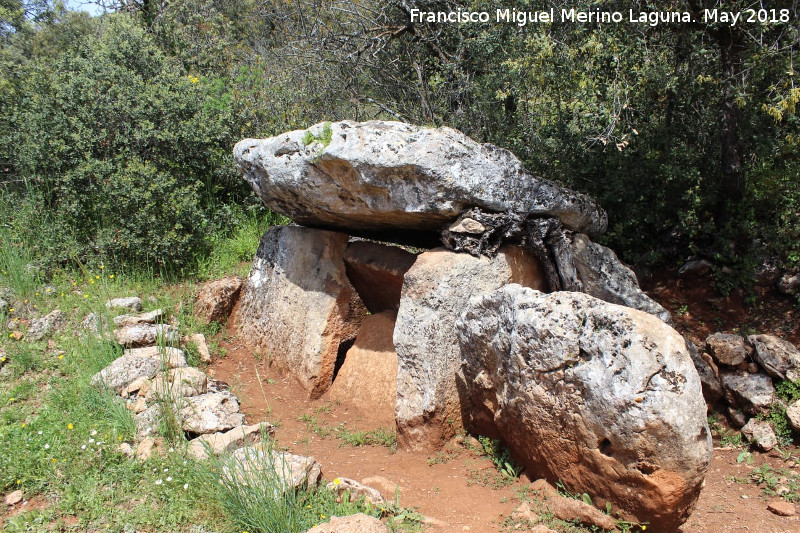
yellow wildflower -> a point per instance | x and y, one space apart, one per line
70 426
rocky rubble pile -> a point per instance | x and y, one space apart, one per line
739 375
157 384
591 386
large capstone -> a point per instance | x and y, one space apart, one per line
435 291
297 304
392 178
602 397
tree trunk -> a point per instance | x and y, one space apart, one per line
731 190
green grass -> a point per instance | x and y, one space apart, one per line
500 456
250 490
386 437
233 254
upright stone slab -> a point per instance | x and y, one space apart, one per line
297 305
368 377
593 269
602 397
435 291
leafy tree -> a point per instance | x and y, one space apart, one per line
125 151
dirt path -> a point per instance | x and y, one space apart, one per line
455 487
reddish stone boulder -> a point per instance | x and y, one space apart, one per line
435 293
368 377
216 299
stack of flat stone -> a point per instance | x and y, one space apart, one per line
150 373
416 285
739 375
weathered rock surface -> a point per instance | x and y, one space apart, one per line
340 485
91 323
13 498
376 271
199 340
298 305
760 434
708 372
125 370
388 176
736 417
171 357
222 441
695 267
216 299
145 448
7 293
39 328
570 509
145 334
139 405
131 303
782 508
789 283
525 514
210 413
601 396
593 269
355 523
368 377
776 356
4 306
793 415
435 291
149 421
178 383
727 349
139 386
145 318
125 449
753 393
256 466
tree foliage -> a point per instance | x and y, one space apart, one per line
686 133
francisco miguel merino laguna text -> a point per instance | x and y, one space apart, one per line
652 18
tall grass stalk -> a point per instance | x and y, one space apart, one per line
254 490
16 265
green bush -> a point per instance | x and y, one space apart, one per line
124 155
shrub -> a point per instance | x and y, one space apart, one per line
124 155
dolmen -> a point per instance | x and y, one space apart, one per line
434 279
